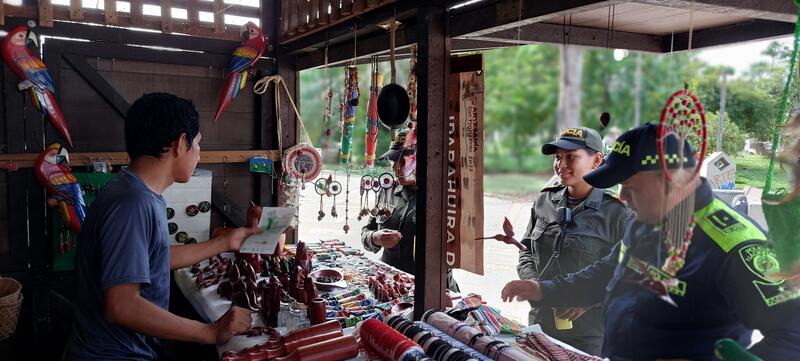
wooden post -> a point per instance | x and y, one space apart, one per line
76 9
289 124
45 13
292 17
372 3
137 15
192 15
359 6
166 16
313 19
110 12
347 7
219 17
336 10
324 5
432 72
285 18
302 19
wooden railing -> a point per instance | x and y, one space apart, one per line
213 24
303 17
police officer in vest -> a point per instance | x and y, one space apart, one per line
598 220
679 309
395 235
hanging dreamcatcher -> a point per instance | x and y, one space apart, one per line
351 95
371 132
327 187
683 121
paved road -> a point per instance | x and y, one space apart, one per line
499 259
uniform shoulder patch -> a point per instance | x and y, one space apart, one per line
725 226
761 261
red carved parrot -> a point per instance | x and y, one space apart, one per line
34 76
52 171
243 57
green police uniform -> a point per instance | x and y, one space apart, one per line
597 224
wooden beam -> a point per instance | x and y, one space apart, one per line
110 12
554 33
505 14
432 71
727 34
777 10
26 160
45 13
374 44
98 83
76 9
108 50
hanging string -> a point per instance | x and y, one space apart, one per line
261 86
691 26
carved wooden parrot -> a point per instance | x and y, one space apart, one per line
243 57
34 76
52 170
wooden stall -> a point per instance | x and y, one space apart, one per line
103 58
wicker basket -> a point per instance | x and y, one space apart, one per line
10 304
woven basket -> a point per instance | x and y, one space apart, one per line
10 304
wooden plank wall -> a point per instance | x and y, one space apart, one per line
45 12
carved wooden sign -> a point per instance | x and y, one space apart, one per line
464 188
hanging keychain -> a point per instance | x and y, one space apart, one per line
334 188
321 187
387 184
376 187
366 187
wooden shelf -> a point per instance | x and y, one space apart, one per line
26 160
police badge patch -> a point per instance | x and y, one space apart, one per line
761 261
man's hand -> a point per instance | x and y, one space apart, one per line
571 313
237 319
386 238
521 290
232 238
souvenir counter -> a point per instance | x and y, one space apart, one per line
326 301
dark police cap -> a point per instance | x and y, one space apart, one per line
636 151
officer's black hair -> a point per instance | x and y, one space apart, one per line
156 120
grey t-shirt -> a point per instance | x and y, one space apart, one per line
124 239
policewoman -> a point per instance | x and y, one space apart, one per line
597 223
